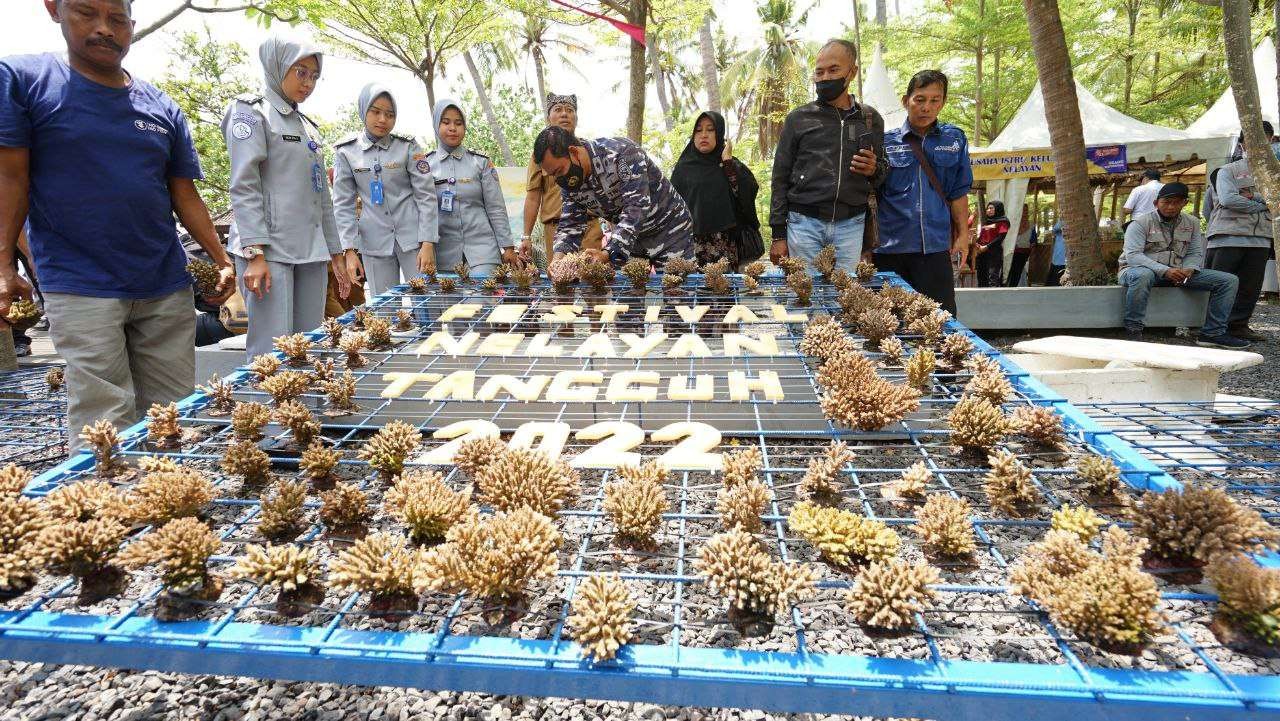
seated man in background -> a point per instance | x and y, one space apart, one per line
1166 248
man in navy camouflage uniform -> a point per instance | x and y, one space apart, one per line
614 179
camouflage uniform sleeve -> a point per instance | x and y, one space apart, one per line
636 202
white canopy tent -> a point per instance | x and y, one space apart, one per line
1103 125
879 92
1221 118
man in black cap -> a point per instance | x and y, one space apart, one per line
1167 248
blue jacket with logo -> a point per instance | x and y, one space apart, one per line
913 219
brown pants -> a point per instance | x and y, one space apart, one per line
592 239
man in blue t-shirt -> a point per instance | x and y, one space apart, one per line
99 162
923 209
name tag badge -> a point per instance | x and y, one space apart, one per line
292 138
375 192
317 177
446 200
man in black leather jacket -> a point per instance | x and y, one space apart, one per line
829 161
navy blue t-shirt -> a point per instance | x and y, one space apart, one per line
101 218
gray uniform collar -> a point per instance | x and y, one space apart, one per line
458 153
367 141
282 106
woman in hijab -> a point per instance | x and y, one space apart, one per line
473 226
390 177
995 226
284 232
721 194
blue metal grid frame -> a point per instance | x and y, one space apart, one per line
1231 444
33 419
684 651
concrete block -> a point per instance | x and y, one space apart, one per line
1142 355
1269 284
214 361
1072 307
1089 381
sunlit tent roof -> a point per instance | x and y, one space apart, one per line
1221 118
1104 125
879 92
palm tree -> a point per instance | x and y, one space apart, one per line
675 80
1244 85
1066 134
763 75
482 92
710 75
538 43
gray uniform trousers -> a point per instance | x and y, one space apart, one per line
122 355
294 305
384 272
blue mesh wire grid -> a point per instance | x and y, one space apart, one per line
976 650
33 419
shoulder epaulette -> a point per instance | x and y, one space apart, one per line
406 138
478 153
251 98
349 139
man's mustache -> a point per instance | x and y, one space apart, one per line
106 43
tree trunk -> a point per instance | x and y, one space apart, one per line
659 82
540 73
429 82
881 12
857 39
1238 42
710 76
483 93
639 14
1132 9
993 126
1062 115
977 77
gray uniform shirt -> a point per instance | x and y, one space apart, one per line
477 227
274 149
406 217
1153 243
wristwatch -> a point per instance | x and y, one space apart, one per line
249 252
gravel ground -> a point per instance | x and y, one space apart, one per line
1260 381
32 692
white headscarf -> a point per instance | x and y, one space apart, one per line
279 53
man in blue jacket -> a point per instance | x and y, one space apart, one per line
923 206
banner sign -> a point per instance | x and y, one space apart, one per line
1039 163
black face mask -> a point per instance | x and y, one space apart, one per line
572 179
829 90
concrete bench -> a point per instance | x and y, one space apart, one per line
1072 307
1101 370
219 359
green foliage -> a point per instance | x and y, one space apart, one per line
203 78
521 124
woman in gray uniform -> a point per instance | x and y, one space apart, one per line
473 216
395 229
284 232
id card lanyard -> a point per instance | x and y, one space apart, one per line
375 188
446 197
317 169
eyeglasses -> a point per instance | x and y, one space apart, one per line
305 75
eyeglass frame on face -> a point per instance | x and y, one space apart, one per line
305 75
